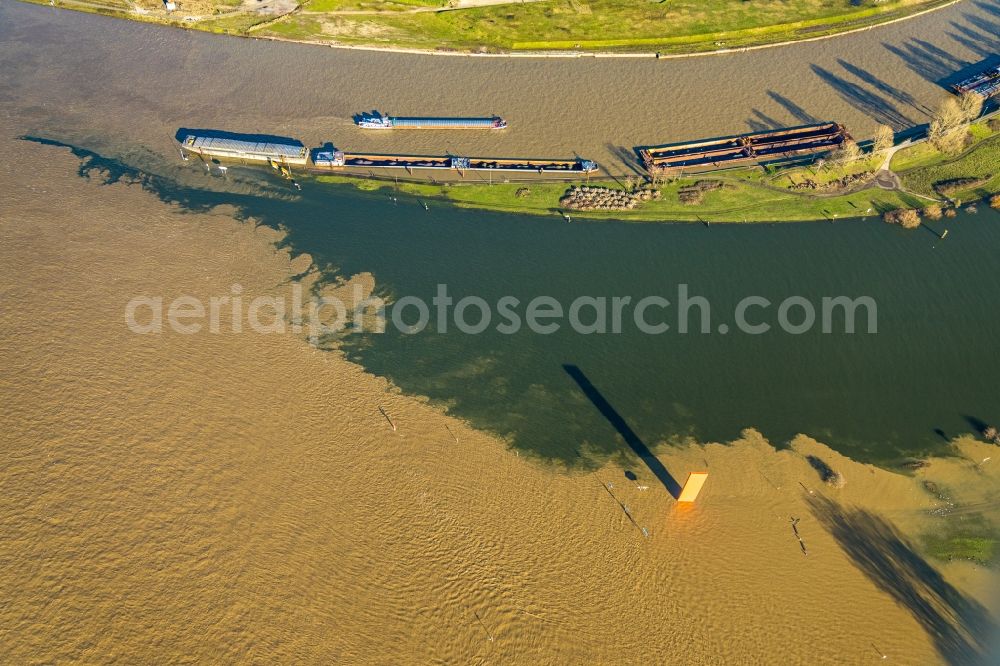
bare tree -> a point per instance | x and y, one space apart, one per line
883 140
971 105
848 154
907 218
947 130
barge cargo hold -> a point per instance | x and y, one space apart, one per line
985 83
402 122
246 147
757 147
325 159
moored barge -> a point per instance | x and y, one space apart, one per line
282 153
245 147
326 159
756 147
985 83
405 122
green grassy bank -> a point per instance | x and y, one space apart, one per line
667 26
921 167
745 201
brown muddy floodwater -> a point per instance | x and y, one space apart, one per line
121 83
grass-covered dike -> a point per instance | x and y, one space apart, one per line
668 27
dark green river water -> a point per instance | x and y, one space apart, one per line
926 375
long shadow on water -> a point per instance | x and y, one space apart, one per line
870 103
988 7
883 87
982 23
960 627
924 59
616 420
761 122
800 114
983 45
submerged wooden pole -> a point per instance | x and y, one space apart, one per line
489 633
387 418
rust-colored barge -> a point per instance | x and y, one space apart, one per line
756 147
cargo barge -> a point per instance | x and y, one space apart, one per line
245 147
756 147
282 153
403 122
985 83
325 159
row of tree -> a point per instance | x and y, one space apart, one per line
950 125
948 131
850 153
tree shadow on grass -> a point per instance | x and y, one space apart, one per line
960 627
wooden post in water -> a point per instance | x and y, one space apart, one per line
387 418
795 530
489 633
